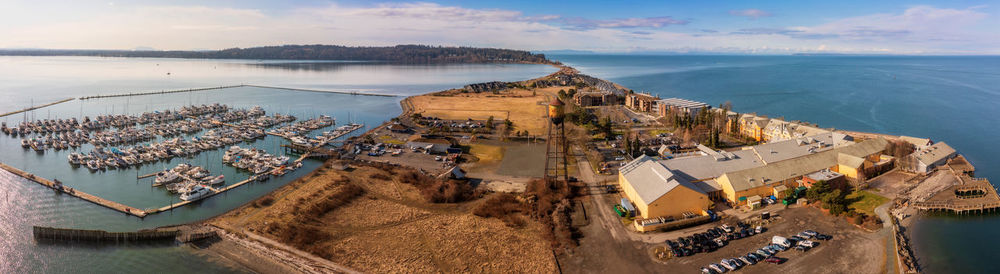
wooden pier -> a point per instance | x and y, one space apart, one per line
36 107
64 234
973 196
82 195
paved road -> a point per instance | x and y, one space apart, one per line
886 233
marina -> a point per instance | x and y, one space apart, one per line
151 137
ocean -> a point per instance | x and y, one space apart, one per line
944 98
27 81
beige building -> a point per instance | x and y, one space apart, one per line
657 192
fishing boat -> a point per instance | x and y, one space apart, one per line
195 193
93 165
25 143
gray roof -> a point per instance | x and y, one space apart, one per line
707 167
787 149
934 153
779 171
708 185
651 180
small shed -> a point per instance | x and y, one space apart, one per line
628 206
779 191
753 202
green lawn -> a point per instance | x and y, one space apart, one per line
866 202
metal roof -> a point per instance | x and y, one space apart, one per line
651 180
779 171
934 153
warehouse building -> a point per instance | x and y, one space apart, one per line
658 192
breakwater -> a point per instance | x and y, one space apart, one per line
324 91
65 234
155 92
143 93
36 107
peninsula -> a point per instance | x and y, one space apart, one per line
404 54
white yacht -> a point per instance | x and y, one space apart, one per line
195 193
166 177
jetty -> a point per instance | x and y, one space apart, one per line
76 193
36 107
973 196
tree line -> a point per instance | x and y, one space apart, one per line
415 54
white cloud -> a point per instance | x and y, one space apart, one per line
913 30
751 13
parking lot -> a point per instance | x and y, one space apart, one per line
850 251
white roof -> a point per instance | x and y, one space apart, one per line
678 102
651 180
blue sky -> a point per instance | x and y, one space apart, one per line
753 27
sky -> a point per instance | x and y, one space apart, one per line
682 26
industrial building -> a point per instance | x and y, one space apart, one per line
931 157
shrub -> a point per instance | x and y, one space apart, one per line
380 176
266 201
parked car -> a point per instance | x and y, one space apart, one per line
810 233
782 241
745 260
801 248
796 239
823 237
725 263
763 254
727 228
804 235
717 268
807 243
760 229
774 260
705 270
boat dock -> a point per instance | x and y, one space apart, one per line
82 195
214 192
36 107
973 196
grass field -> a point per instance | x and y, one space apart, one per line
487 154
866 202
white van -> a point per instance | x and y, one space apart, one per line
782 241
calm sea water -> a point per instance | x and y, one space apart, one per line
35 80
951 99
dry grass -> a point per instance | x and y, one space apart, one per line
519 105
390 227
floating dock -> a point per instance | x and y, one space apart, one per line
36 107
973 196
82 195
